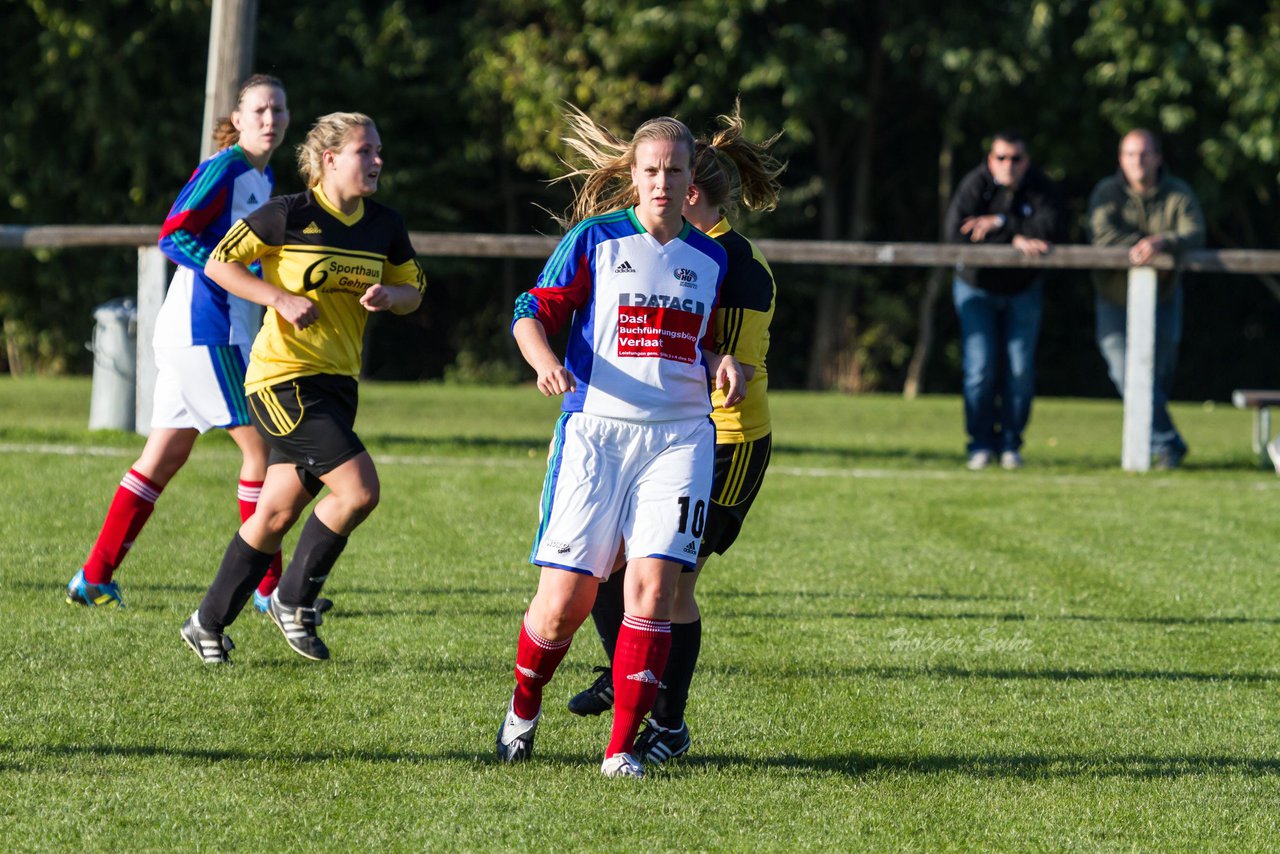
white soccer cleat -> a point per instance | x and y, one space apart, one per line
515 736
622 765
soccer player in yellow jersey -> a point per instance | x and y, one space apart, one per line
329 257
743 431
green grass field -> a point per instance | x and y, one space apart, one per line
898 653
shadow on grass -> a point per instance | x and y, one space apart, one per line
1018 766
1028 766
1015 617
1051 674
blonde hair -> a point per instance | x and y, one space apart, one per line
757 186
606 180
329 133
225 134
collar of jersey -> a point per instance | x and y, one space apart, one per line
333 209
635 220
721 227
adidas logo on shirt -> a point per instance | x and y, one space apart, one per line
253 200
312 229
624 267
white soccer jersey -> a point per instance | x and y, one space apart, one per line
641 314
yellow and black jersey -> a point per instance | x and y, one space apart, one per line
309 247
745 310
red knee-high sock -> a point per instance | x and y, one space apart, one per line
134 500
536 662
247 495
638 661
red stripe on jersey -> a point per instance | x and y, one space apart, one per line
195 220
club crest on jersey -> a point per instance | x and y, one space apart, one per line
661 301
685 276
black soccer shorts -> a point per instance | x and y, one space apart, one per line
740 470
310 422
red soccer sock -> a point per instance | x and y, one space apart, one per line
247 495
134 500
536 662
639 658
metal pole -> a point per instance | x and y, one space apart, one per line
1139 369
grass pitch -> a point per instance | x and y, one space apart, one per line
898 653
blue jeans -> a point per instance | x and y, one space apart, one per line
1112 336
998 334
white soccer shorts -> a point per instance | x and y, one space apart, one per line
647 485
200 387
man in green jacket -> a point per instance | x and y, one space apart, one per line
1150 211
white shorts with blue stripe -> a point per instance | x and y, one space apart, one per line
646 485
200 387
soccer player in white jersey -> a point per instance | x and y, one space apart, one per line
202 337
729 170
634 449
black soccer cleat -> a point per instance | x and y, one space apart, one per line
298 624
658 744
596 699
212 647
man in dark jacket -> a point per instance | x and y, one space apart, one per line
1150 211
1004 200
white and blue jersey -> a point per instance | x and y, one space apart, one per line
641 314
196 311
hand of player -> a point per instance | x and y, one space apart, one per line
555 380
298 311
376 298
731 381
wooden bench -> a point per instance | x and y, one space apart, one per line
1260 401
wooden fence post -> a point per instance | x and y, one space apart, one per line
1139 369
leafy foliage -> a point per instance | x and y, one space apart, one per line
884 106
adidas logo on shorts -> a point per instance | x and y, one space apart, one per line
691 549
624 267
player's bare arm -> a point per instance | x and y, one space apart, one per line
236 279
531 338
729 377
398 299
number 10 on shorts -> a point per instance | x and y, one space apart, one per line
699 516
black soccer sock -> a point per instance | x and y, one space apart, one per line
606 613
242 569
686 643
317 551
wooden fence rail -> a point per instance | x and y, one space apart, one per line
1140 358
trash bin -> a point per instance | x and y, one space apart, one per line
115 359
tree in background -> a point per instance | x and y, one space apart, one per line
883 106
